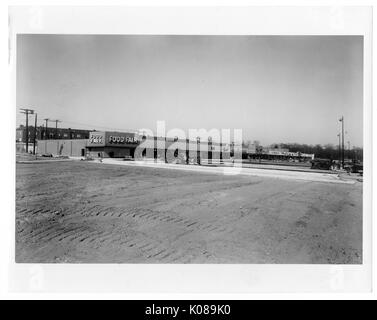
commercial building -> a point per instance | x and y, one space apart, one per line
276 152
107 144
134 145
63 147
49 133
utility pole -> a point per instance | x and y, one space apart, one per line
27 112
46 119
35 132
56 128
342 121
198 150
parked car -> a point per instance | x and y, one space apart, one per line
49 155
354 167
323 164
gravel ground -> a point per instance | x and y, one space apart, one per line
103 213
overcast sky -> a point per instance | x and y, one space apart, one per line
275 88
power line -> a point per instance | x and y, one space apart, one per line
89 126
94 126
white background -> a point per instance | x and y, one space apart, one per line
166 281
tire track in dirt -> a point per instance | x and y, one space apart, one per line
150 216
143 214
150 249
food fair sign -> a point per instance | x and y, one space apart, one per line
120 139
101 139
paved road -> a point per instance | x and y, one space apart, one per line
234 170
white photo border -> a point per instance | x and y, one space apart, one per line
203 278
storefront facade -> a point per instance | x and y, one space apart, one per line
125 144
108 144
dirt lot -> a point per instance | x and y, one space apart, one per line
99 213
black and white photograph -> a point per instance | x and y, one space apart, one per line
189 149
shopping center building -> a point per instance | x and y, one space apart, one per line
137 146
133 145
277 153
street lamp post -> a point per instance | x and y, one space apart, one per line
342 121
339 153
349 150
